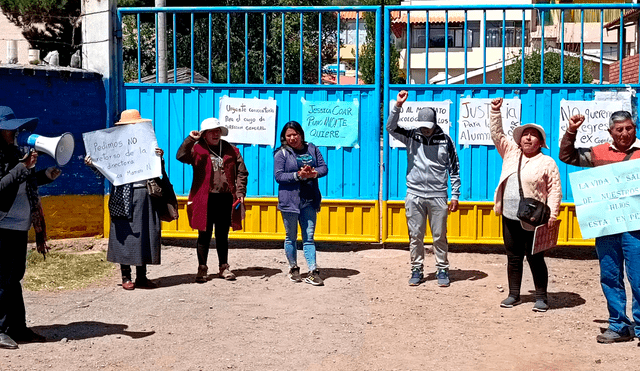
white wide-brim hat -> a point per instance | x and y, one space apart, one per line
517 133
213 123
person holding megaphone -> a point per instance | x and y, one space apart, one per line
20 208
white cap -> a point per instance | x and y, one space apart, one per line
213 123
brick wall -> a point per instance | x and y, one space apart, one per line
629 71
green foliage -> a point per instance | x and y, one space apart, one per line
235 24
552 64
47 24
368 54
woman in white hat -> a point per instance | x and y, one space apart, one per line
217 192
134 233
540 180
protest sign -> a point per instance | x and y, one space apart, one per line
474 122
622 96
330 124
250 121
595 128
409 115
545 237
607 198
124 153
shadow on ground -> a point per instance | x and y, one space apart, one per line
86 330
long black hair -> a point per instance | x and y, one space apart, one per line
295 125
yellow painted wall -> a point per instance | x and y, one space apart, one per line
339 221
475 222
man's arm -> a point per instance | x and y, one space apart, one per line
399 133
569 154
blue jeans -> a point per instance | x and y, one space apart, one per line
617 252
307 220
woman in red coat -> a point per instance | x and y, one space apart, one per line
219 182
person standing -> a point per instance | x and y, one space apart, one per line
432 162
20 208
219 185
540 179
297 166
618 250
134 231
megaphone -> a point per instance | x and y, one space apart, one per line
60 148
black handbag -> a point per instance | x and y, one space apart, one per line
167 203
530 210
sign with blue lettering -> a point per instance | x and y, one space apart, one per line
124 153
595 128
408 117
331 124
607 198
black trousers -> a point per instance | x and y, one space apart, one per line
13 261
518 243
218 214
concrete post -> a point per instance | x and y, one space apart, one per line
99 48
162 42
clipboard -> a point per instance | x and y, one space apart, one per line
545 237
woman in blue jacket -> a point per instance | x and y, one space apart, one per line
297 167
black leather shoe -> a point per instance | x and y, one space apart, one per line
6 342
145 283
26 335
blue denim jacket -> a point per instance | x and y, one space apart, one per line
285 169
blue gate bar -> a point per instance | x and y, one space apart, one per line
246 48
139 48
319 48
302 49
193 41
408 54
504 43
562 49
581 45
446 47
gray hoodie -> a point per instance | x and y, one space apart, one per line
432 160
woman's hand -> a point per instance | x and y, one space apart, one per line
195 134
307 172
551 221
53 172
496 104
30 159
88 161
159 152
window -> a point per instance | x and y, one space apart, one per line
455 37
348 33
512 34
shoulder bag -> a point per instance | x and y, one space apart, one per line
530 210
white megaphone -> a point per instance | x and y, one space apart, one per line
60 148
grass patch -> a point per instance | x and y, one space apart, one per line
65 271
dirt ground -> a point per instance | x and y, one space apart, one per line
366 317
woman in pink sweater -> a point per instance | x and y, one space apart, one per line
540 180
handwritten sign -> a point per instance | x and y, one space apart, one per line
475 119
251 121
595 128
622 96
408 117
330 124
607 198
125 153
545 238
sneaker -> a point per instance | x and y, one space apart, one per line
226 273
416 277
611 336
314 278
510 302
443 277
294 274
201 276
540 306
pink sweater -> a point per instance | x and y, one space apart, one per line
539 174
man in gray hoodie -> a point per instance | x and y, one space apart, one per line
432 161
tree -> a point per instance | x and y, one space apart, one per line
368 55
236 25
47 24
552 63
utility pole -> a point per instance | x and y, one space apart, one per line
162 43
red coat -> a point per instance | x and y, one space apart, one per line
194 153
